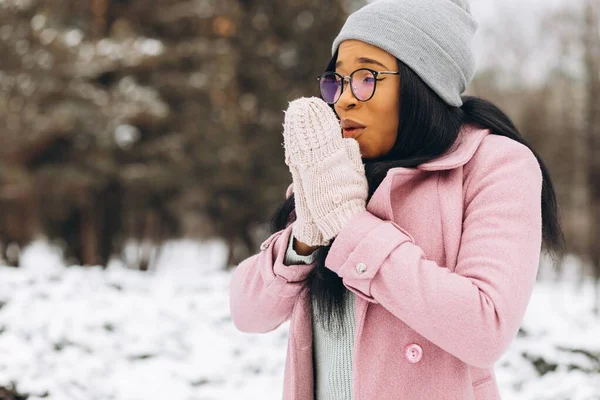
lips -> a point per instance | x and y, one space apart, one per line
352 128
350 123
352 132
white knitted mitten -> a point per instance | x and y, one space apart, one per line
304 228
330 166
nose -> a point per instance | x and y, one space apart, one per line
347 98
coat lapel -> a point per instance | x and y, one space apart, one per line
467 142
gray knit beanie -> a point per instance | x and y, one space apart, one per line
432 37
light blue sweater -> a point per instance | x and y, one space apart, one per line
332 355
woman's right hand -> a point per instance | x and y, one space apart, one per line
302 248
326 167
304 228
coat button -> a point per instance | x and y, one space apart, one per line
361 267
413 353
337 198
264 246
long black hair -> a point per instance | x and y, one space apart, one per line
428 127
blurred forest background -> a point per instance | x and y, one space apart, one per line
146 120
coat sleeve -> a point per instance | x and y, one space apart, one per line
475 311
262 289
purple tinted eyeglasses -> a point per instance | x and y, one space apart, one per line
362 84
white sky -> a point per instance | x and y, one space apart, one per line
510 36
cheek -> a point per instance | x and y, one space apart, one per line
387 121
390 113
378 142
385 107
389 138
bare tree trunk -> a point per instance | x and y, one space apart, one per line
89 236
592 64
99 10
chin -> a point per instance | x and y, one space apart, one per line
371 157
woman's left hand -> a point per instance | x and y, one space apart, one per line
330 166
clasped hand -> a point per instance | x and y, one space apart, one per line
329 181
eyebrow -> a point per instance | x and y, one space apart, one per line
363 60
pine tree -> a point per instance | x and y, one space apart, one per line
136 120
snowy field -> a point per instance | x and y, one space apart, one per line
87 333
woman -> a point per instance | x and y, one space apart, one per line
407 249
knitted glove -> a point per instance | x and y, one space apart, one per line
330 168
304 228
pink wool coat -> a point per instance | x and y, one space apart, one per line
442 263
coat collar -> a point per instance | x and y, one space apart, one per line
462 150
468 140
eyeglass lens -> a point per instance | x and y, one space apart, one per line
362 82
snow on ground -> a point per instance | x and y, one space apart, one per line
87 333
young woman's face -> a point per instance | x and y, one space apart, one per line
379 115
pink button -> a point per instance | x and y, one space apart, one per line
413 353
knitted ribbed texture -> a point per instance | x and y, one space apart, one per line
332 353
291 257
330 169
333 356
304 227
433 37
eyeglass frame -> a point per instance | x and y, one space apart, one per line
349 79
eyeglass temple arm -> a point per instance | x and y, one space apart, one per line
378 72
